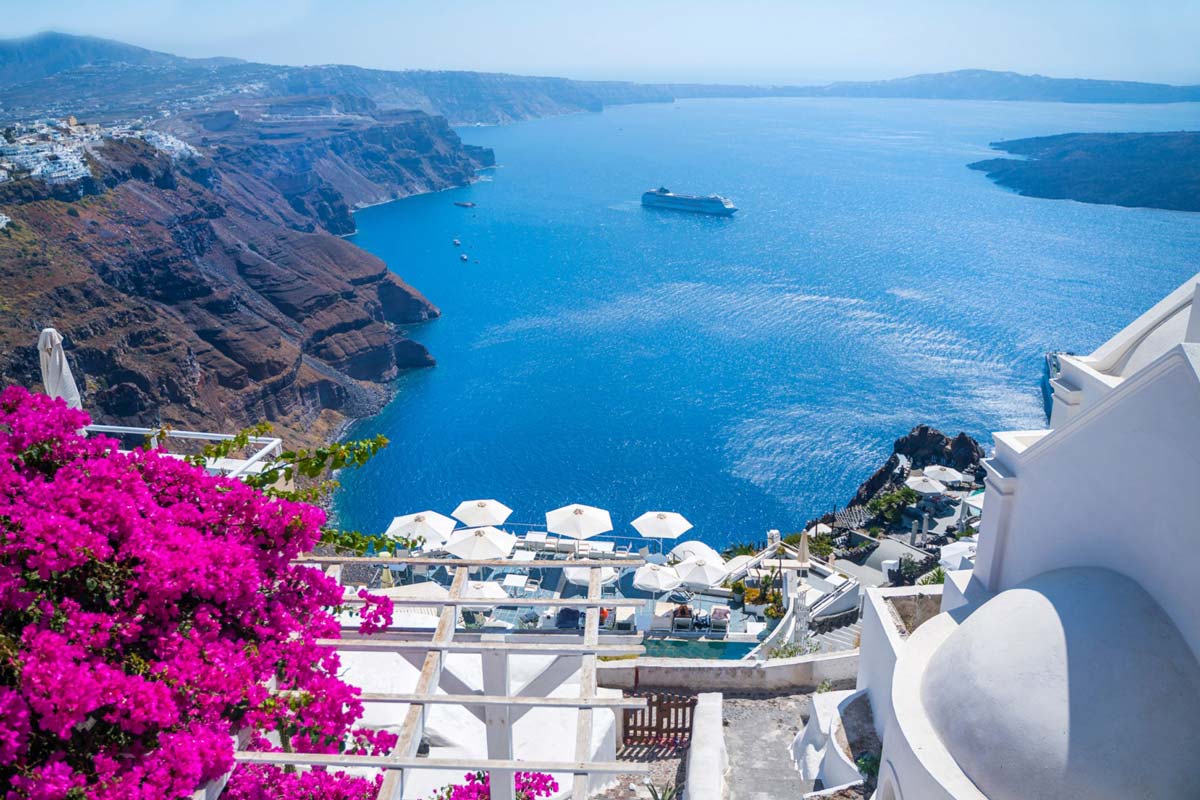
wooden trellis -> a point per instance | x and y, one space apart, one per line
666 720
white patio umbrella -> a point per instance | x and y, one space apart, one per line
701 572
477 513
943 474
582 576
924 486
656 578
434 527
694 549
661 525
56 372
578 521
820 528
480 543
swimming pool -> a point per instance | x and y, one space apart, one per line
696 648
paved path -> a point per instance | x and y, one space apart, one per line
758 734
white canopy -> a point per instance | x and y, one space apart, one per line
975 501
656 578
578 521
56 372
924 486
434 527
581 576
476 513
943 474
959 555
694 549
480 543
701 572
820 529
661 525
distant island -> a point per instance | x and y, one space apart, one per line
55 74
1150 170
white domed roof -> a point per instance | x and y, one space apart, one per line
1073 684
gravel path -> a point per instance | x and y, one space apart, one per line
758 734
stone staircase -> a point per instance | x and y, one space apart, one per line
845 638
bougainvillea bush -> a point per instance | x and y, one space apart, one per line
478 786
147 611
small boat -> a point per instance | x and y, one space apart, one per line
457 243
464 204
463 257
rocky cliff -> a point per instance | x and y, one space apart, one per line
213 292
922 446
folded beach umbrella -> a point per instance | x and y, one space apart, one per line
56 372
701 572
477 513
480 543
656 578
943 474
581 576
435 528
661 525
694 549
578 521
924 486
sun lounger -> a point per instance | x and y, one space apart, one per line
719 619
624 619
664 613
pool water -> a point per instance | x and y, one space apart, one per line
696 648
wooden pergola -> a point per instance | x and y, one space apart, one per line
498 706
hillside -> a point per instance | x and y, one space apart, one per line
103 80
1153 170
211 292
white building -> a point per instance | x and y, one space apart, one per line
1065 663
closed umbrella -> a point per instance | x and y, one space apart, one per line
433 527
480 543
582 576
694 549
56 372
578 521
656 578
924 486
943 474
661 525
701 572
477 513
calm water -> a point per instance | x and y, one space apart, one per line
747 372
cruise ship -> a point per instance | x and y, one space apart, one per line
665 198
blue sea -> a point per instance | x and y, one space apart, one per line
746 372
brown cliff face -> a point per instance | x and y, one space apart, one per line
207 294
922 446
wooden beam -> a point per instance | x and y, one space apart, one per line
462 763
587 689
511 602
501 700
450 563
413 727
515 648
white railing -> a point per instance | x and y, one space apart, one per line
269 447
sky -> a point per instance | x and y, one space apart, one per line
730 41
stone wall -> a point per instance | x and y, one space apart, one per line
773 675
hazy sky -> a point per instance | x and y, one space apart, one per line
659 40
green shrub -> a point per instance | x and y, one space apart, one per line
934 577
